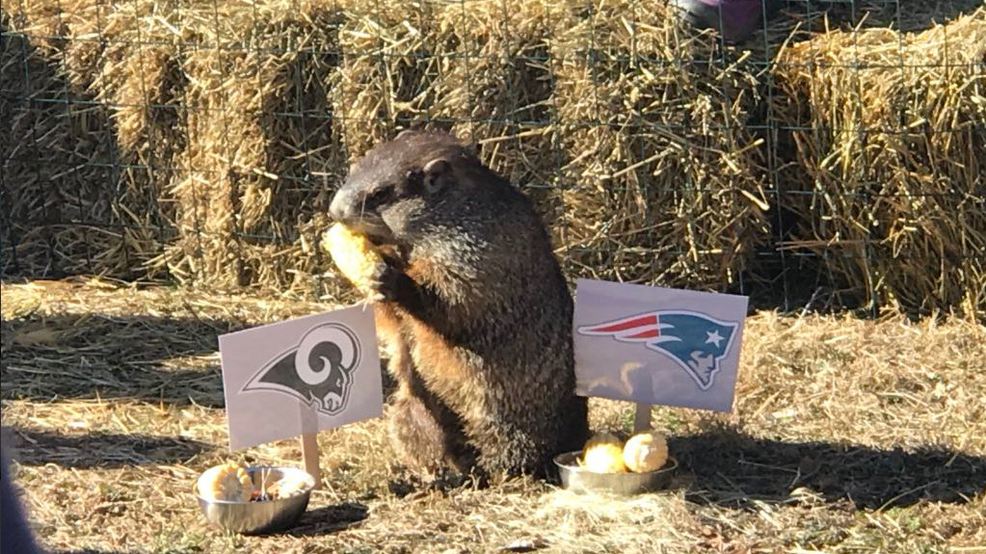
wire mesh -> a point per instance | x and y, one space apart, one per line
199 142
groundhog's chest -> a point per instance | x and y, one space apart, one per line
452 371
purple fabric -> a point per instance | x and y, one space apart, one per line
737 17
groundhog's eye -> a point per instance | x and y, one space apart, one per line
379 196
414 179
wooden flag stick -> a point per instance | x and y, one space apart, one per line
641 419
309 451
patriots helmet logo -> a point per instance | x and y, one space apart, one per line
319 371
694 341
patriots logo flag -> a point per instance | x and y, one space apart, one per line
657 346
696 342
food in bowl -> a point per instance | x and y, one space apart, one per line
643 452
228 482
603 453
647 451
231 482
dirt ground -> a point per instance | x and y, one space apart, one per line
849 435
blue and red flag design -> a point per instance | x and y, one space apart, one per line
694 341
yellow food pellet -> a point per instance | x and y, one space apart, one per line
229 481
646 451
603 453
353 254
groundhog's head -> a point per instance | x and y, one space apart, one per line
421 182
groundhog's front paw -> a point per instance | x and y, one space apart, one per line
383 283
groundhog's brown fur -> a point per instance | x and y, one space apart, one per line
477 315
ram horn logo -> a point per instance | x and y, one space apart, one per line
319 371
696 342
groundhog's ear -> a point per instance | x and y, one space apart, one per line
406 132
436 174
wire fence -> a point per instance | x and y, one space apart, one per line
810 154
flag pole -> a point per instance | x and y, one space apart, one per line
641 419
309 452
309 441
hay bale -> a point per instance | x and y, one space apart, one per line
104 212
204 140
477 69
260 127
494 89
661 184
27 199
888 175
484 70
383 81
238 193
221 117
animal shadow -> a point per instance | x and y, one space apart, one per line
733 469
330 519
102 450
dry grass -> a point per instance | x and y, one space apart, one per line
887 132
849 435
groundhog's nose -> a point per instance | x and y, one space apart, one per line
341 208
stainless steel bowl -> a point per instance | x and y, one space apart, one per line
257 518
580 480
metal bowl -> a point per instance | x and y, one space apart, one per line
256 518
581 480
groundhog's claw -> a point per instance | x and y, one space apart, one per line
383 283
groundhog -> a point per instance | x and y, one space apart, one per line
471 307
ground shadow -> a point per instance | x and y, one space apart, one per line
725 467
159 359
102 450
330 519
141 357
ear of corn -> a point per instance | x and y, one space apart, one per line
603 453
354 255
229 482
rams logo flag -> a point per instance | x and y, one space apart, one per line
301 376
654 345
318 371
